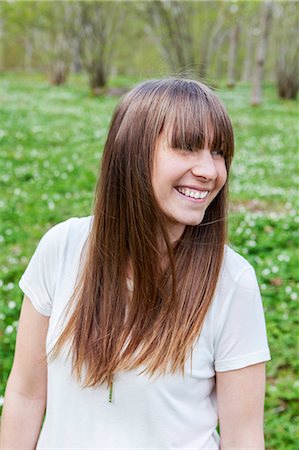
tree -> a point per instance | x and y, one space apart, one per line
53 37
233 48
169 24
247 61
287 50
96 25
36 36
1 43
234 34
213 36
265 25
17 21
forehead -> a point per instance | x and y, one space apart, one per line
194 134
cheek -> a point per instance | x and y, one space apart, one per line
222 175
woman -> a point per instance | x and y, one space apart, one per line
140 328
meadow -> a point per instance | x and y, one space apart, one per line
51 141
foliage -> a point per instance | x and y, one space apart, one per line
148 37
169 22
96 25
287 62
51 142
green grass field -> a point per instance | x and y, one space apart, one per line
51 141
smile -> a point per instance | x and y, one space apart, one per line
193 193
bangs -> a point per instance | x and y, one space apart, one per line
198 120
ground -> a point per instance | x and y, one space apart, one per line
51 141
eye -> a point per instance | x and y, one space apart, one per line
219 153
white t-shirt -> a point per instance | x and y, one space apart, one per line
166 412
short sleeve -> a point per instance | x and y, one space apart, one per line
241 338
39 279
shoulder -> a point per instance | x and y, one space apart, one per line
77 225
237 276
234 262
67 237
56 255
237 289
236 269
71 229
237 279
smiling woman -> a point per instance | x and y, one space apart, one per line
140 327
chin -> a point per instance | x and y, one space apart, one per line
194 222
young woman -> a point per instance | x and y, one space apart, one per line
140 328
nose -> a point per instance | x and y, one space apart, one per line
204 165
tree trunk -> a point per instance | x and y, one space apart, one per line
288 85
60 62
232 56
28 54
97 79
77 65
214 41
1 44
265 25
58 72
247 64
287 50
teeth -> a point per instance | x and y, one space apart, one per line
193 194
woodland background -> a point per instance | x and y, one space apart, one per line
214 40
63 67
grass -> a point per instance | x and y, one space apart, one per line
51 141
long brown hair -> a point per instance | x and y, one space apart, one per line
154 327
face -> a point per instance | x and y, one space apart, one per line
185 182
